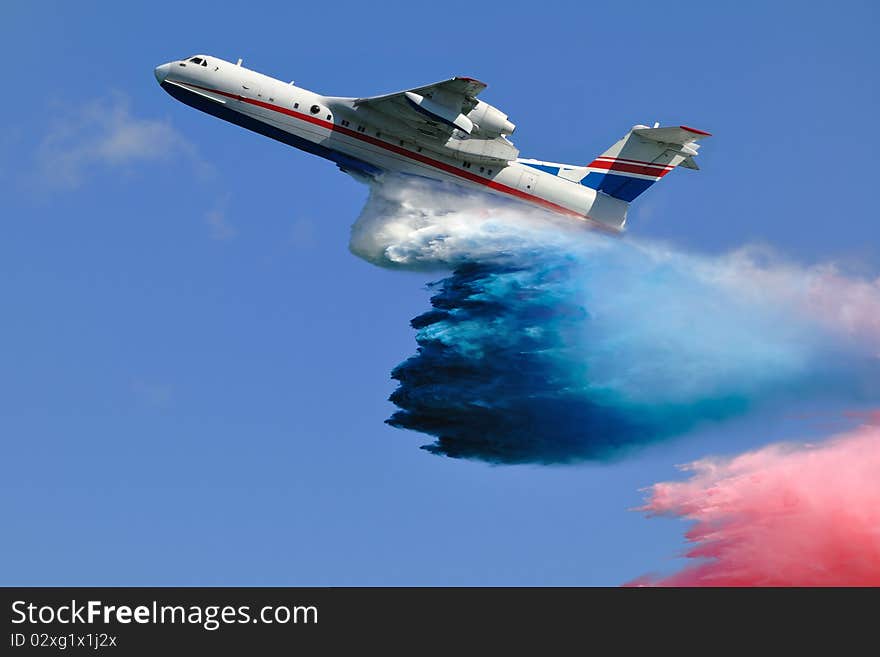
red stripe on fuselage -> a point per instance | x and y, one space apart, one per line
448 168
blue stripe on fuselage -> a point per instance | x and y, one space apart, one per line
221 111
543 167
625 188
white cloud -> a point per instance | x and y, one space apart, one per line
217 220
105 135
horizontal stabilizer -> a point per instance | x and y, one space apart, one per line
672 135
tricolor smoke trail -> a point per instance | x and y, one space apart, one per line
783 515
550 343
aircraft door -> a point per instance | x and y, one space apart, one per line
528 181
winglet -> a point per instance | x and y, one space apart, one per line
694 130
472 85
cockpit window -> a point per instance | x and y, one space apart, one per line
196 60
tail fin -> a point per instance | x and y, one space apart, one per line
641 158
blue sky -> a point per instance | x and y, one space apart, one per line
195 369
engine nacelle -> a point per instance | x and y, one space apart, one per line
490 122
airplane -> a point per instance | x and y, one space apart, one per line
439 131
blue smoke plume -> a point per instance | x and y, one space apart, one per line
549 343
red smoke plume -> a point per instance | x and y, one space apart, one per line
782 515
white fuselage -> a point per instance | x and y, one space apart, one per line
362 141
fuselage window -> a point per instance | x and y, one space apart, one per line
329 117
296 106
314 109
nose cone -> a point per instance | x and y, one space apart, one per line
161 72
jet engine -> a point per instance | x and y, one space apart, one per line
490 122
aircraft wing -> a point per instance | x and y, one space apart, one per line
435 110
438 114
